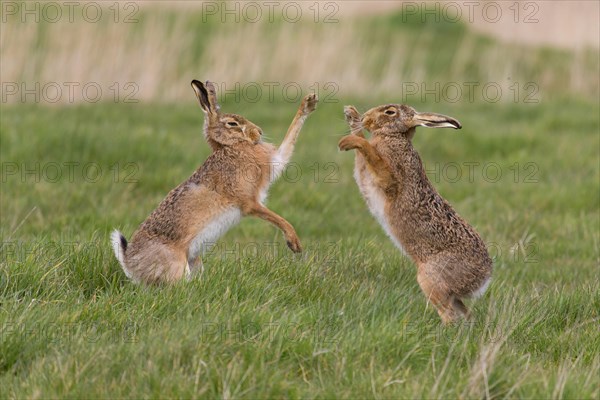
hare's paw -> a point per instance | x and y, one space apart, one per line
350 142
309 103
353 119
351 114
293 243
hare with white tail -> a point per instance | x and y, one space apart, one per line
233 182
451 258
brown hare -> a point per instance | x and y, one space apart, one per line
233 182
451 258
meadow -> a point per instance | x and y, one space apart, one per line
346 318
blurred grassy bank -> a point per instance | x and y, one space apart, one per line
160 50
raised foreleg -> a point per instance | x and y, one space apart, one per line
286 149
376 164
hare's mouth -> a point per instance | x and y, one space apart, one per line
443 124
432 120
259 137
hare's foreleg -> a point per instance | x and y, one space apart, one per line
375 162
285 150
288 230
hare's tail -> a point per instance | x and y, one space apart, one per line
119 244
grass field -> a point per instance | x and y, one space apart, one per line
346 319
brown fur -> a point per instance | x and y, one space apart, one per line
239 169
452 260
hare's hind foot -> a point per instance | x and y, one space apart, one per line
449 307
194 268
453 311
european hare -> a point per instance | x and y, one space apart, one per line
233 182
452 260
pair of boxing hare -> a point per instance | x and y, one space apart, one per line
452 260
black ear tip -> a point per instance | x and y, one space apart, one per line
197 83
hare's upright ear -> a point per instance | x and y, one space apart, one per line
207 96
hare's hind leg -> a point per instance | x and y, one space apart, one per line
161 264
449 307
195 267
176 267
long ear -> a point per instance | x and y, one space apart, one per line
433 120
207 96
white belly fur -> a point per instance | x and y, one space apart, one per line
376 202
213 231
278 164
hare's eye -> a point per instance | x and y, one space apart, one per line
232 123
390 112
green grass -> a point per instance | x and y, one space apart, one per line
344 319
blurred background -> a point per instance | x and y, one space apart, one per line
368 49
